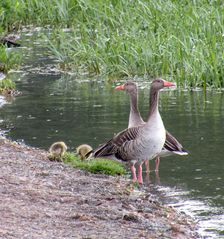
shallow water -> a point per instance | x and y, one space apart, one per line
54 107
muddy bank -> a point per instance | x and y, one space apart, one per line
43 199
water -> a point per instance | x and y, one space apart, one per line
55 107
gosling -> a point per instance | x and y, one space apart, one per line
57 150
82 150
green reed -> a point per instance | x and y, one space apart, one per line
158 38
182 40
8 59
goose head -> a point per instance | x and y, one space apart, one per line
159 83
130 87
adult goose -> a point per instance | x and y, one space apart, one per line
171 146
139 143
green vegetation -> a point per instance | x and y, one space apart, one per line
105 166
6 85
181 40
8 59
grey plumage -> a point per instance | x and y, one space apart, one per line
137 144
171 146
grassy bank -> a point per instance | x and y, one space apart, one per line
104 166
181 40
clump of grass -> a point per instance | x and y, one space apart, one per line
104 166
8 59
6 85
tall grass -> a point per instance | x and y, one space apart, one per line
182 40
6 86
8 59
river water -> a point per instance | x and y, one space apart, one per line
55 107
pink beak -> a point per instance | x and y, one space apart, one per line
168 84
119 87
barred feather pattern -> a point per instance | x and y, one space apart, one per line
114 146
173 146
132 144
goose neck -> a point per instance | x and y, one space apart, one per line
153 102
134 103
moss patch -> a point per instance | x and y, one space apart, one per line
105 166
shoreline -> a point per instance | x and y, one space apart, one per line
44 199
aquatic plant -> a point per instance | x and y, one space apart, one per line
14 13
105 166
182 40
8 59
6 85
178 40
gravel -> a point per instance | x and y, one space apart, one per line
44 199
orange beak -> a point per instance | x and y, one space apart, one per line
168 84
119 87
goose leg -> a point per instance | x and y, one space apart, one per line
147 166
140 174
157 178
157 163
133 170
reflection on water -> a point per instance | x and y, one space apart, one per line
76 111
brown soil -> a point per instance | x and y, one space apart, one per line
43 199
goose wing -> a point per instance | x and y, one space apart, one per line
118 141
171 144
